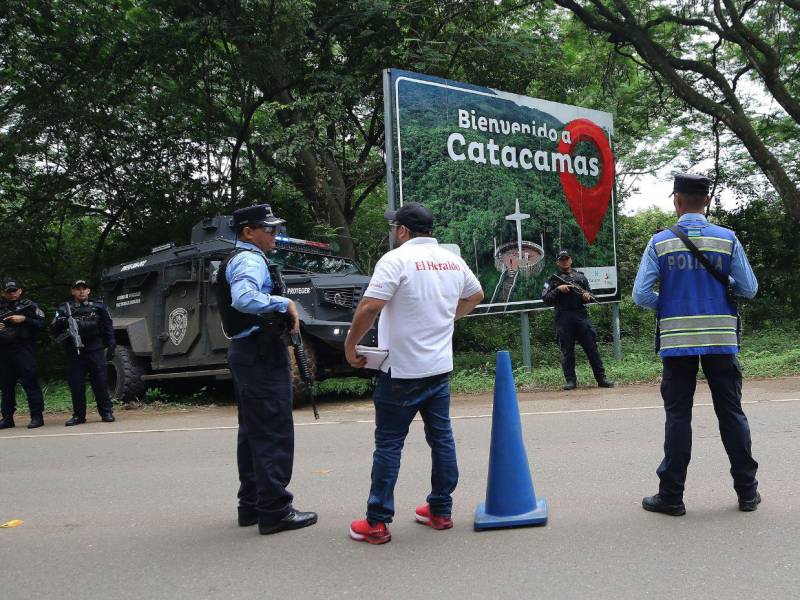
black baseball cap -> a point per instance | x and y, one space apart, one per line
413 215
10 285
260 215
562 254
78 283
689 183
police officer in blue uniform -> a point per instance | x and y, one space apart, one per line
572 320
96 333
255 315
698 323
20 320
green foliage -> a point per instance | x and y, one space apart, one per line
344 387
771 241
632 236
764 354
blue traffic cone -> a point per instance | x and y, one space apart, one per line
510 497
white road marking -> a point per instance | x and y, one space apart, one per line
372 421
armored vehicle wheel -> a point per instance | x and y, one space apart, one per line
125 376
301 395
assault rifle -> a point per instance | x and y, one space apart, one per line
303 366
576 288
27 311
4 315
72 330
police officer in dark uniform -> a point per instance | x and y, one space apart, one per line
20 320
698 323
97 343
568 290
255 315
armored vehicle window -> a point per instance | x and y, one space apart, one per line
180 272
313 263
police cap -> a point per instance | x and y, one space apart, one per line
688 183
562 254
79 283
413 215
10 285
259 215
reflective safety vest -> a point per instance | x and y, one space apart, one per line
694 314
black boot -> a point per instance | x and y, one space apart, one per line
571 384
7 423
605 383
75 420
657 504
749 504
36 421
107 417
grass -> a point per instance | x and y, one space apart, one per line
764 354
768 353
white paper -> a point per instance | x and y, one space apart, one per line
374 356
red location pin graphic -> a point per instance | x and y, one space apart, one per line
588 204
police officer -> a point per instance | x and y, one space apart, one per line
697 322
255 315
97 343
568 290
20 320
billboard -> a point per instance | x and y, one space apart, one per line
510 181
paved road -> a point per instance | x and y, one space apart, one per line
145 508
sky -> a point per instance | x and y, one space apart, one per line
655 190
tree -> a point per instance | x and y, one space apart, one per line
715 55
295 87
83 135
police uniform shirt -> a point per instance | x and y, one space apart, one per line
105 327
571 301
421 283
742 278
34 321
251 285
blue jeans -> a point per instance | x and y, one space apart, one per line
397 402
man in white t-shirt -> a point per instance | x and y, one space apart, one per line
419 289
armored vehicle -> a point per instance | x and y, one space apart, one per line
167 322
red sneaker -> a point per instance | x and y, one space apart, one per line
423 515
362 531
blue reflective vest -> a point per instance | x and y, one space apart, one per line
694 314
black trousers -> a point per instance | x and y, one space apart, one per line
18 363
265 445
93 364
724 377
579 329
